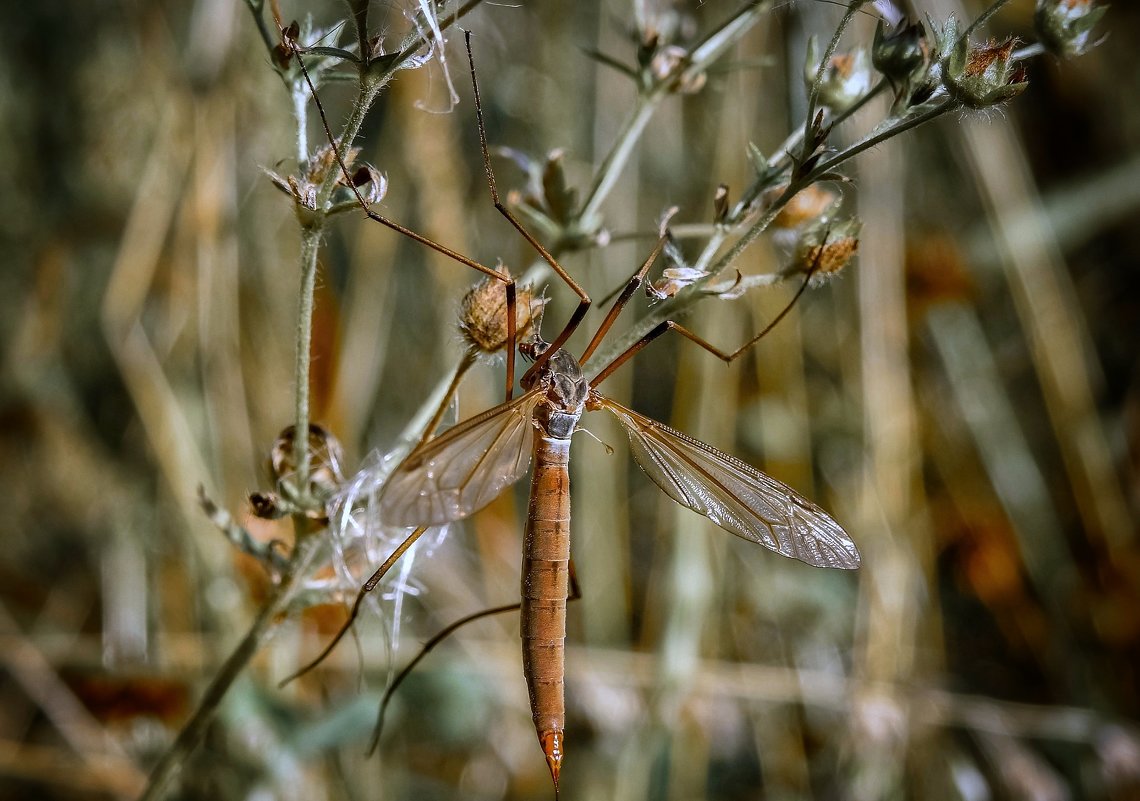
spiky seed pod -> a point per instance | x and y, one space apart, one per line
483 314
824 250
326 460
983 75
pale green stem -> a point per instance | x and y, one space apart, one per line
903 125
300 99
616 159
310 249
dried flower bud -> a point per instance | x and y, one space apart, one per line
824 250
326 457
720 204
268 505
846 78
483 314
811 203
670 61
1065 26
902 54
672 281
304 186
983 75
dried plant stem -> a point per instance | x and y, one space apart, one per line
267 38
195 728
618 155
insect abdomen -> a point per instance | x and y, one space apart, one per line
545 577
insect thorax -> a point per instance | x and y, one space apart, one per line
566 392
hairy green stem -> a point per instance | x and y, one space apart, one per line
984 17
256 7
310 248
300 100
903 125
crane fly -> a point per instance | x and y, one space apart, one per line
461 471
451 477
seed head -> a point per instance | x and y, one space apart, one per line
326 474
483 314
824 250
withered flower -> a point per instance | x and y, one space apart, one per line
550 202
824 250
670 61
304 187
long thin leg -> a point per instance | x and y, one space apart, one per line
465 364
583 299
574 594
420 238
669 325
635 282
367 588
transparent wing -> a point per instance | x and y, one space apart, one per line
462 470
734 495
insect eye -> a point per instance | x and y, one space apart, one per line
533 349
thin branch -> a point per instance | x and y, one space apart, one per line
195 729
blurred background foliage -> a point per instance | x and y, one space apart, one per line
966 400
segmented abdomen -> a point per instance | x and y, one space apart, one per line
545 578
